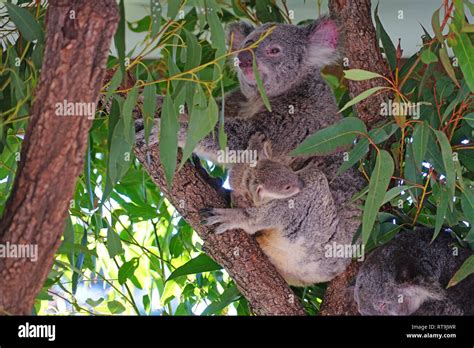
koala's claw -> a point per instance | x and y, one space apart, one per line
221 217
205 212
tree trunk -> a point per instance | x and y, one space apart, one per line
362 50
78 37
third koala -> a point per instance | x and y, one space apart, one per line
409 275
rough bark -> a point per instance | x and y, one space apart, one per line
54 146
362 49
239 253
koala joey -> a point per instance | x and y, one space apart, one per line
265 180
409 275
294 232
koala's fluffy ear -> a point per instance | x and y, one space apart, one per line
415 295
323 42
237 32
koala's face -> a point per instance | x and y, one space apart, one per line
387 287
285 55
375 296
274 181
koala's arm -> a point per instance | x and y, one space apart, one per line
251 220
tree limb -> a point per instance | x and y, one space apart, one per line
52 154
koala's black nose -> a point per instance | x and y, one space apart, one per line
245 59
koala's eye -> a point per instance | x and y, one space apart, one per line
274 51
288 188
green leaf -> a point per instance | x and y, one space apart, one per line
469 119
122 140
421 135
388 47
149 107
360 75
447 155
94 303
199 264
114 244
155 9
114 84
260 87
230 295
115 307
428 57
441 197
25 22
173 8
127 270
378 185
127 112
193 51
467 204
356 154
237 9
169 127
362 96
466 269
443 55
436 26
464 51
394 192
330 139
203 120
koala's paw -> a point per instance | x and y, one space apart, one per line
225 219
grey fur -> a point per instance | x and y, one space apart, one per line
408 276
267 180
295 233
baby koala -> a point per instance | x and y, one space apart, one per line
409 275
292 231
267 180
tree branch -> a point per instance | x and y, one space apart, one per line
52 154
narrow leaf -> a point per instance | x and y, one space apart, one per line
378 185
443 55
169 127
466 269
360 75
362 96
329 139
25 22
199 264
447 155
260 87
